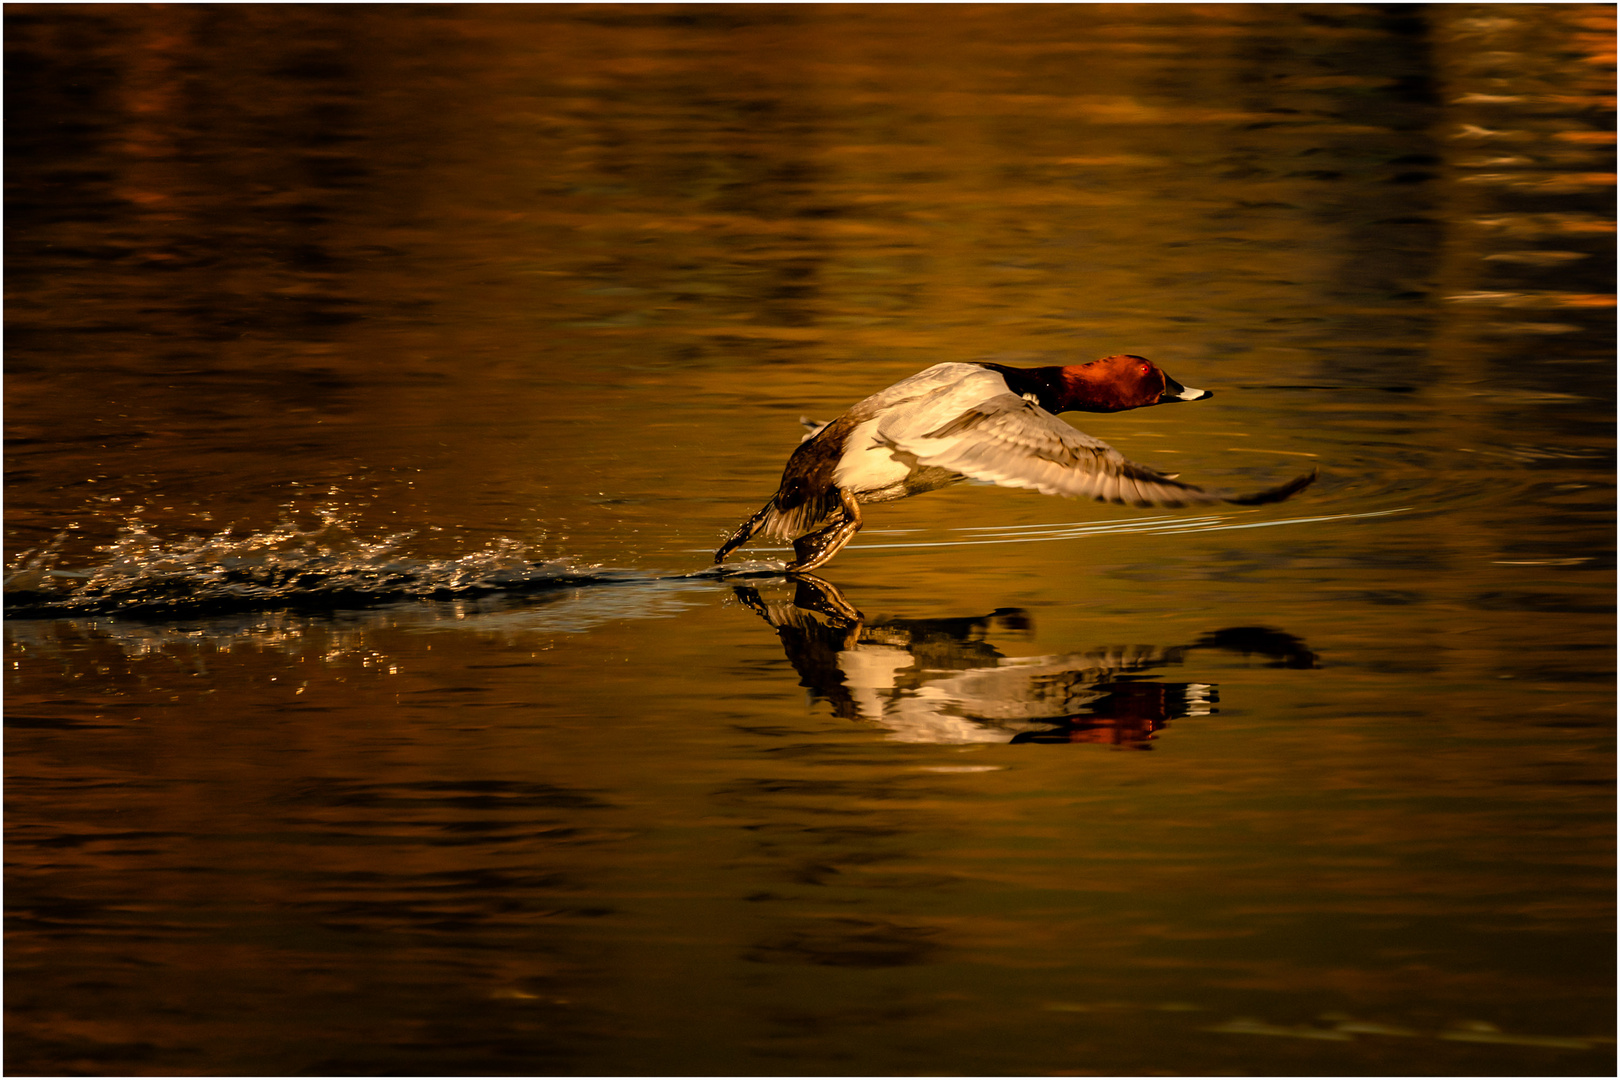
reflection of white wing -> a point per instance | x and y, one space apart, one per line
870 676
988 704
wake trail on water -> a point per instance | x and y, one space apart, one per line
326 569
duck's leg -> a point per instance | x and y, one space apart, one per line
814 549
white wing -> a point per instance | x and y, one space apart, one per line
1012 441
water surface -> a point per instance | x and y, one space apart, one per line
379 380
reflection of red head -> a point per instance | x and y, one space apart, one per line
1130 714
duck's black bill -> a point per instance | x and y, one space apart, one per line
1174 391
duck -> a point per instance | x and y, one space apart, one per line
974 420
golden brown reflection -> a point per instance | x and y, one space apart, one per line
259 842
397 299
944 681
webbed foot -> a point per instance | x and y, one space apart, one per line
815 549
819 547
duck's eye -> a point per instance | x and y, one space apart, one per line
1145 368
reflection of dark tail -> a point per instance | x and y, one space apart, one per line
1284 649
745 532
1276 494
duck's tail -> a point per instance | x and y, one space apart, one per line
808 513
745 532
812 428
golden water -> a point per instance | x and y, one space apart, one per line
321 295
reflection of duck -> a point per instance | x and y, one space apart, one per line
984 421
942 681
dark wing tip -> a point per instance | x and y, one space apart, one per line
1276 494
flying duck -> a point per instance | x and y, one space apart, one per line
982 421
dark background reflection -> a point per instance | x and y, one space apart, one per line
432 346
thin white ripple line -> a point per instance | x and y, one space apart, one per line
1188 525
1174 528
1020 534
1285 521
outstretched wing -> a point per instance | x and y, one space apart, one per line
1011 441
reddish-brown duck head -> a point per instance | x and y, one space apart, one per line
1117 383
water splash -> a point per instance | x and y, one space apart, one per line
285 566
